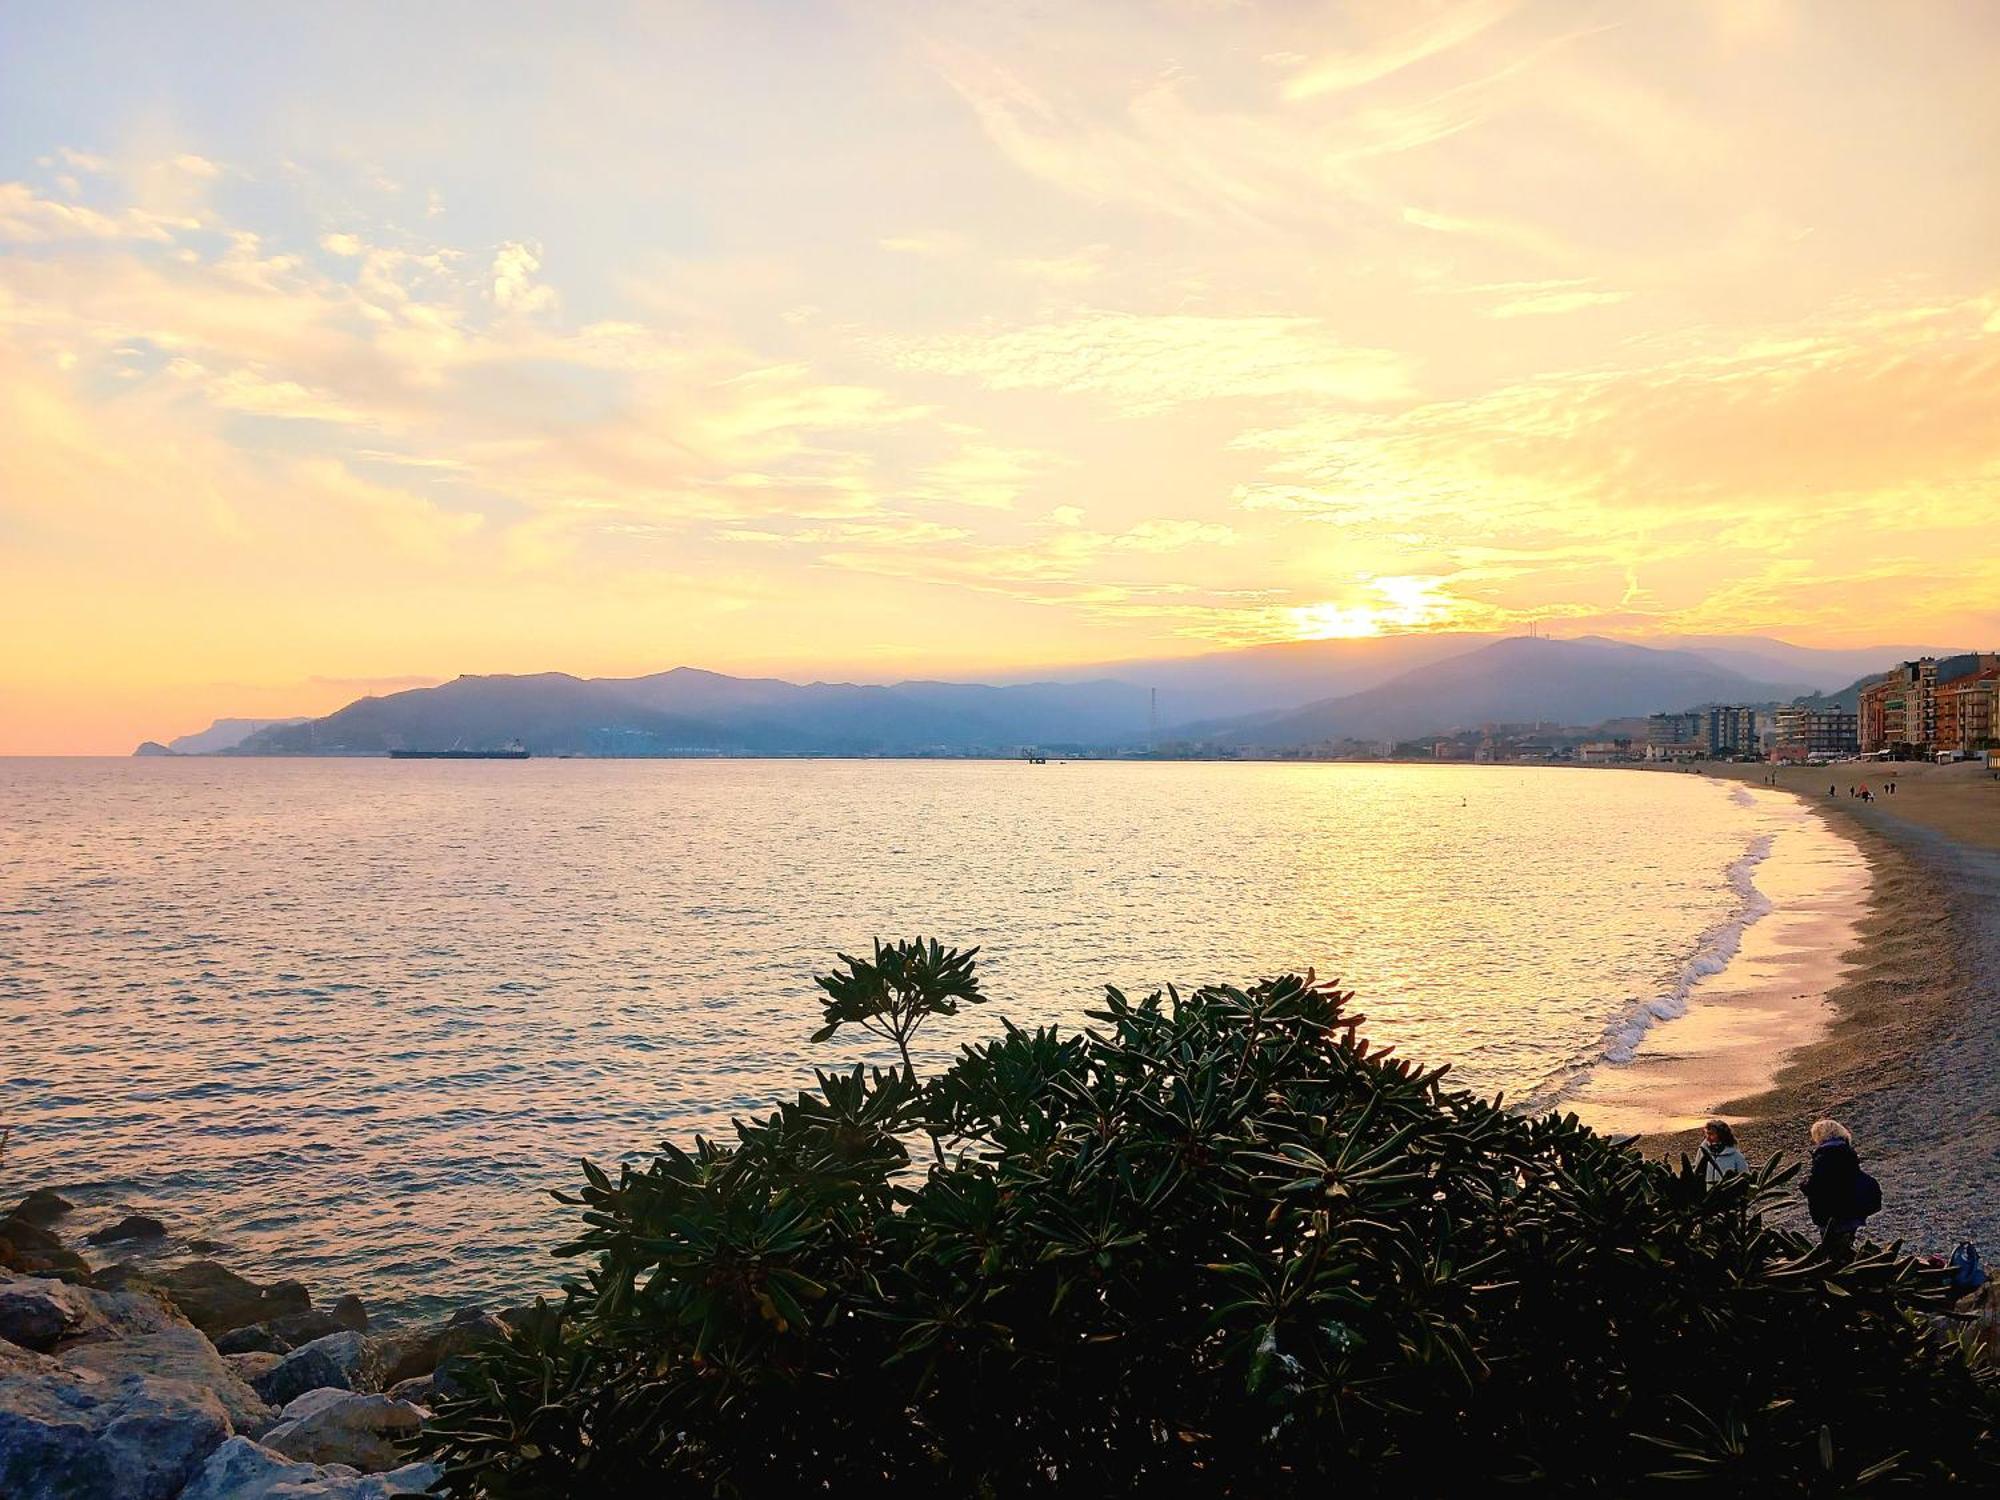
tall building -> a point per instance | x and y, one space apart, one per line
1731 731
1898 710
1968 703
1804 732
1676 736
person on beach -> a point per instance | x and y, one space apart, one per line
1720 1155
1839 1195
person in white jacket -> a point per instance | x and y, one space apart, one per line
1719 1153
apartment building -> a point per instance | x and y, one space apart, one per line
1898 710
1805 733
1931 704
1968 707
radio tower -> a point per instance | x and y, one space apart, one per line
1152 718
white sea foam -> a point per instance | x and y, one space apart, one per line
1712 954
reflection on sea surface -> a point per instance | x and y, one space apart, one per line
352 1017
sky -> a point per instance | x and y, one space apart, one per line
348 348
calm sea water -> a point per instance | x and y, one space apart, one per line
352 1018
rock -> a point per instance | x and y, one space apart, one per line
343 1361
256 1338
28 1247
418 1390
350 1312
419 1351
242 1470
181 1354
71 1433
131 1227
345 1316
254 1366
36 1312
152 747
215 1299
41 1208
345 1427
206 1247
85 1313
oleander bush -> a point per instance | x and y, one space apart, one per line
1214 1245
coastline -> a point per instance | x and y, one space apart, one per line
1910 1058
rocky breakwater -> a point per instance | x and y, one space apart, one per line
186 1381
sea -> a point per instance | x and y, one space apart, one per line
353 1020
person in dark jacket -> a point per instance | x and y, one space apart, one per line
1833 1188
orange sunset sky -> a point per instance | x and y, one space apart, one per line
348 347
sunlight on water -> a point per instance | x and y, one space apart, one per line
352 1017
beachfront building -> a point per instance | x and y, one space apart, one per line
1898 710
1968 706
1815 733
1930 704
1676 736
1732 730
1604 752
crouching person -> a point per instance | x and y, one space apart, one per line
1839 1195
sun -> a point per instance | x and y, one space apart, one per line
1404 603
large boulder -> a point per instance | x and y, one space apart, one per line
70 1433
131 1227
419 1351
28 1247
344 1361
42 1208
256 1338
253 1367
36 1312
345 1427
31 1305
242 1470
215 1299
179 1354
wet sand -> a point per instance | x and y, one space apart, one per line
1911 1058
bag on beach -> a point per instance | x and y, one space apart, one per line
1867 1196
1967 1274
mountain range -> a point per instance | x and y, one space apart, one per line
1294 693
1521 680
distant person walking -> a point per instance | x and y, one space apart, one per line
1839 1195
1720 1155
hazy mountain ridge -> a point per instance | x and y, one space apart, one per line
688 711
1518 680
1412 686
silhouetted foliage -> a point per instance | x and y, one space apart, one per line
1215 1245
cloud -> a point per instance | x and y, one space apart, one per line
27 218
1341 72
1147 363
514 286
932 244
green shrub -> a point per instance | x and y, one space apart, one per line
1215 1245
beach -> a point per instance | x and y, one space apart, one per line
1909 1057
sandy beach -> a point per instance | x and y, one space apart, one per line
1911 1059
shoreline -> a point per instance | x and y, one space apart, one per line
1909 1058
1757 991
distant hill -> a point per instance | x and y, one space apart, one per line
1283 674
1290 674
1824 669
687 711
223 734
1517 680
1295 692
